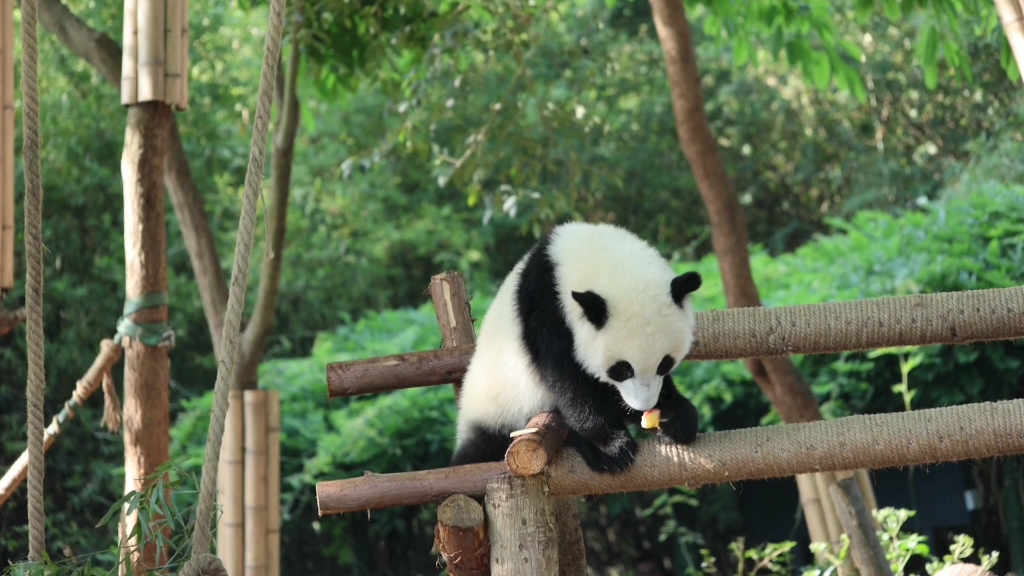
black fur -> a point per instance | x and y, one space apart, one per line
594 307
683 285
482 445
593 410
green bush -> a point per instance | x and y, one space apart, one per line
966 242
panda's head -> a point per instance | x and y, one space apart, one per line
633 339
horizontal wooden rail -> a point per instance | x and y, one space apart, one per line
873 441
946 318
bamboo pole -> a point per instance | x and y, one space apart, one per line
822 480
1011 14
865 547
172 41
186 66
7 159
811 502
231 488
130 54
152 50
255 402
273 483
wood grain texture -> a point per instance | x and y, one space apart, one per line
522 526
529 454
461 537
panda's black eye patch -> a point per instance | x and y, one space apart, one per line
666 365
620 371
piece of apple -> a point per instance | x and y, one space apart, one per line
651 419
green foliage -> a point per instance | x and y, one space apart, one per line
898 546
159 522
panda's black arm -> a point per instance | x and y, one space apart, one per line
679 417
597 429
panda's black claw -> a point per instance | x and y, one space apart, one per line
679 430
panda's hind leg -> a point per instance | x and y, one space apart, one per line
481 445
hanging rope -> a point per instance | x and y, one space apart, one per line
36 386
202 562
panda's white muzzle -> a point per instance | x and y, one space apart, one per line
640 394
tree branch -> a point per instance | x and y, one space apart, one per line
777 377
103 53
10 319
262 321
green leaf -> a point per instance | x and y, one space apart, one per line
928 46
821 69
741 50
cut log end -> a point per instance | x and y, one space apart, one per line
531 452
461 536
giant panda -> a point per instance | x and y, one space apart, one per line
590 322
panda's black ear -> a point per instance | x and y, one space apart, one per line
683 285
594 307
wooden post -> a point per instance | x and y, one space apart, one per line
255 403
865 548
273 483
451 304
1011 14
459 535
814 514
146 368
522 526
231 489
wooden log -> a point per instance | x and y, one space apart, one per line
451 304
521 523
737 333
109 355
255 402
460 534
375 491
949 434
231 488
461 537
865 547
444 366
530 453
572 551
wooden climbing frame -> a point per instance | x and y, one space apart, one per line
537 485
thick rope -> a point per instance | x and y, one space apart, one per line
947 318
873 441
36 386
236 295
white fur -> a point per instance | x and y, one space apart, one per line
501 388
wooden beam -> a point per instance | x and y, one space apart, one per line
412 370
737 333
873 441
530 453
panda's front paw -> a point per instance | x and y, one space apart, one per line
616 455
680 426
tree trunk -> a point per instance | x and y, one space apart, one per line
778 378
147 369
282 160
